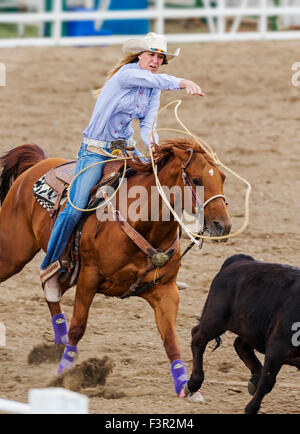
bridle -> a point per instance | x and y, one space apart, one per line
187 182
135 288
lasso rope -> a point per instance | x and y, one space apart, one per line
193 236
107 200
212 154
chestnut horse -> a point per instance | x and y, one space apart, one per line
110 262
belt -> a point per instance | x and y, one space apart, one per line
124 145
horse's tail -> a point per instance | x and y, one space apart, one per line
15 162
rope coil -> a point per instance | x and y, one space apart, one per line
193 236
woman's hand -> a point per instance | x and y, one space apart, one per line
191 87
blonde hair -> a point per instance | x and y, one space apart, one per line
129 58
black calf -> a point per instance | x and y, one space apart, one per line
260 302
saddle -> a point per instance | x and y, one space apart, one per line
59 178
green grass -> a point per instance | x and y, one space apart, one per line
11 31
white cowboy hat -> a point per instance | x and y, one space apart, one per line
151 42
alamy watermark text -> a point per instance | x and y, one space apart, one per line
296 76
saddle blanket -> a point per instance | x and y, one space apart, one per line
45 194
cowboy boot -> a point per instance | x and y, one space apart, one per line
50 282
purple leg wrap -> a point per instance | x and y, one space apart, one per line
60 329
68 358
179 375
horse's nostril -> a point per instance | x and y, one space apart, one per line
219 227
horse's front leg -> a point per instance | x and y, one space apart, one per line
86 289
165 300
59 322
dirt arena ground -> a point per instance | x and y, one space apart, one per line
251 117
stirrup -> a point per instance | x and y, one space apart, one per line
50 282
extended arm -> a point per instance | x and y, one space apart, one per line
141 78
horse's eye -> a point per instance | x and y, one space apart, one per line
197 181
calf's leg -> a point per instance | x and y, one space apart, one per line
247 355
201 335
197 376
271 367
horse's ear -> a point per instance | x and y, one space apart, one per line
160 152
180 153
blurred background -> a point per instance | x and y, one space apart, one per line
106 21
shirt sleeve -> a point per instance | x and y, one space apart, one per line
144 78
147 121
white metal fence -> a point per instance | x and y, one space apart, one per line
216 17
50 400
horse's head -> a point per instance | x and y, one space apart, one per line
199 169
185 163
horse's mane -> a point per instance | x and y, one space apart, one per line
162 153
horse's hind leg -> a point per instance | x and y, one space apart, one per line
247 355
17 246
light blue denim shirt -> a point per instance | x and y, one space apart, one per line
131 93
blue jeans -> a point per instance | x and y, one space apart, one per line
79 195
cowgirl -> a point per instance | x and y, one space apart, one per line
132 91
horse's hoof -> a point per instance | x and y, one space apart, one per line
196 397
251 388
191 397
